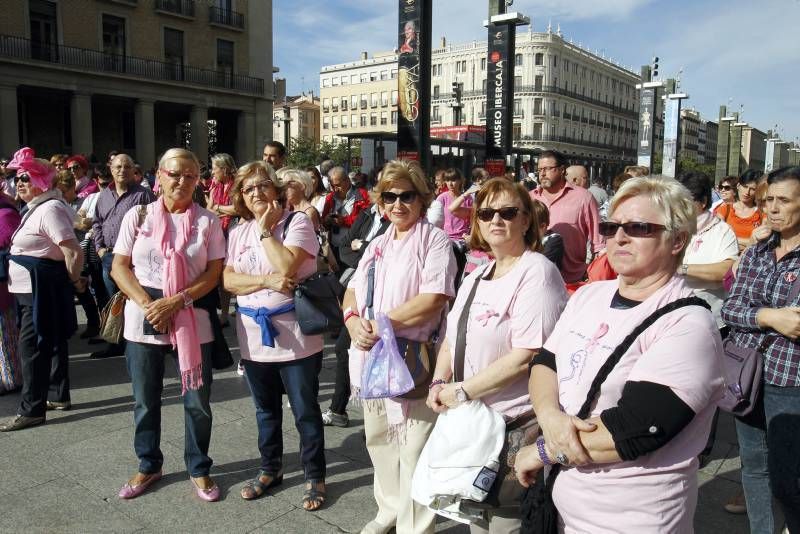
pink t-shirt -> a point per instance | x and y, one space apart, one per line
206 243
574 216
656 492
518 310
454 227
246 255
421 262
48 225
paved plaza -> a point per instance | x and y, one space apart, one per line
64 476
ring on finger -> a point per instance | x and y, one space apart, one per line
562 458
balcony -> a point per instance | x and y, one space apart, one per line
226 17
182 8
82 59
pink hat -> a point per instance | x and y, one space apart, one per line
39 170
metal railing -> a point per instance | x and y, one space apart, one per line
226 17
151 69
178 7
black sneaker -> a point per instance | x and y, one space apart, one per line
330 418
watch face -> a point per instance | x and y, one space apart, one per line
460 395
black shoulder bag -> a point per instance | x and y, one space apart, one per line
539 514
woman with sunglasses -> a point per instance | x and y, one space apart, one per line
727 192
167 260
43 273
633 462
743 215
408 274
516 301
269 252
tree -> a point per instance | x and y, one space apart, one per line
304 152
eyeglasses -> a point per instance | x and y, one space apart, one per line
122 167
547 169
406 197
507 214
725 187
24 178
73 168
176 176
260 186
631 229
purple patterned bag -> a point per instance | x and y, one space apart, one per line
385 373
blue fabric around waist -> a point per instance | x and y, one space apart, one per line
263 316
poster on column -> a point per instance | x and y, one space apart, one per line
499 96
671 117
647 107
413 80
769 158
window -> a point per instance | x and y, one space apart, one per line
394 117
354 78
363 119
225 56
335 122
516 131
326 82
114 42
373 119
518 60
384 98
483 83
437 69
517 81
44 30
537 130
363 77
335 81
353 102
173 51
373 97
373 76
394 97
344 103
394 74
326 123
335 105
517 107
537 106
364 101
384 118
344 80
384 75
483 63
461 66
435 91
538 59
555 61
344 121
326 105
354 120
435 114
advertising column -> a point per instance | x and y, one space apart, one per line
647 110
499 96
414 81
672 117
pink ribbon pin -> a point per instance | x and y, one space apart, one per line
484 318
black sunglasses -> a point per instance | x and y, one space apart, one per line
507 214
406 197
24 178
725 187
632 229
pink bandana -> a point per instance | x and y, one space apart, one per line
40 171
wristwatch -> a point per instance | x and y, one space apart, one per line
461 395
266 234
187 299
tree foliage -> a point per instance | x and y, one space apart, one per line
304 152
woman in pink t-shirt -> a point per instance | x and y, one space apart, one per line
167 259
219 200
516 301
269 252
407 273
631 466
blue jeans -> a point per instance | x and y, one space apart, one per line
146 369
106 260
300 378
771 462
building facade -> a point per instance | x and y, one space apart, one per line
298 117
697 138
140 76
565 97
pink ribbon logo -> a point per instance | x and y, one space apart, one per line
484 318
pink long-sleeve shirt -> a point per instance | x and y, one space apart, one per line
573 215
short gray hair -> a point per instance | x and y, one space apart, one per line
174 153
326 166
339 171
287 174
224 161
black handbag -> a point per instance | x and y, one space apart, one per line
539 514
4 257
318 304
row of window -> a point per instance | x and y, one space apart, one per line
355 101
363 77
354 120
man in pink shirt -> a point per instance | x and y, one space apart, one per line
573 214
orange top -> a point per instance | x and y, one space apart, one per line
742 227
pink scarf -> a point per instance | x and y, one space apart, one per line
183 333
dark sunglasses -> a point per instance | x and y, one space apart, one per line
73 168
631 229
507 214
725 187
24 178
406 197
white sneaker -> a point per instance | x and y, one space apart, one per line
330 418
240 369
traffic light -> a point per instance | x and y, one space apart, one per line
655 67
456 91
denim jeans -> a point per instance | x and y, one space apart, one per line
300 378
106 260
146 369
770 460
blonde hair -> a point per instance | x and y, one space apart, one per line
669 197
172 153
225 162
287 174
248 170
410 171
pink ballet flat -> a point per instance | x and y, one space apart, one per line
211 494
131 492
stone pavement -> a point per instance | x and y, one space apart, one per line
64 476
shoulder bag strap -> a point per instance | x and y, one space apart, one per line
286 224
461 339
26 216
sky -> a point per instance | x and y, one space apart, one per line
740 53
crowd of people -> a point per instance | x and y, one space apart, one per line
593 313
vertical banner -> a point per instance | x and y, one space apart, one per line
769 159
499 96
672 113
414 81
647 110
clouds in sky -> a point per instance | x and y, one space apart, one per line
742 49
